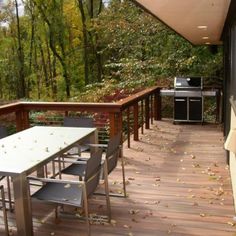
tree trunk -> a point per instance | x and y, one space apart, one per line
45 71
86 68
53 47
22 89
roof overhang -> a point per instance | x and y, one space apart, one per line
199 21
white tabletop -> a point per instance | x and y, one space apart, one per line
23 151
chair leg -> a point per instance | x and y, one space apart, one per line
107 191
4 210
123 174
86 210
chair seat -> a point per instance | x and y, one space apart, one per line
60 193
78 170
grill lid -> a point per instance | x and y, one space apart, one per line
190 83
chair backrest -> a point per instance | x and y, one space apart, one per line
113 151
92 172
78 122
3 132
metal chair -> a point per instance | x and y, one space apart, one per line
74 193
79 122
3 207
3 133
112 152
79 148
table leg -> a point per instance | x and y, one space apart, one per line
22 206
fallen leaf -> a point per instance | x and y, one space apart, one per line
219 192
133 212
231 223
127 226
67 186
113 222
196 165
131 178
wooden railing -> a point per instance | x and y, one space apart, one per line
129 114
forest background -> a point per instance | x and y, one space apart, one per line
91 50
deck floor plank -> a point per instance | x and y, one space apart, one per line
178 184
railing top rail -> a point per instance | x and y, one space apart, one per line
11 107
71 106
75 106
126 102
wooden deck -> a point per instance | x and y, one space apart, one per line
178 184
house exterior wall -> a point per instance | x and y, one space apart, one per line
229 38
232 161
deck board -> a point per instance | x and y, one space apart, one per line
178 184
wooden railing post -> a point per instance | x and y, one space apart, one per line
25 116
142 119
18 120
157 105
136 126
128 127
115 123
152 105
147 113
22 120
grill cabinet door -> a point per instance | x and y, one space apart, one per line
180 108
195 108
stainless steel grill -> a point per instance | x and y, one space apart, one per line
188 99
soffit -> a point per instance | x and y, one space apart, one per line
199 21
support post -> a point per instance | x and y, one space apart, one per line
147 113
136 138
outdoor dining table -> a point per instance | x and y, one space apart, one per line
27 151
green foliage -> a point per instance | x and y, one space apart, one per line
137 49
128 49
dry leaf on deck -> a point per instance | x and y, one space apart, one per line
231 223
